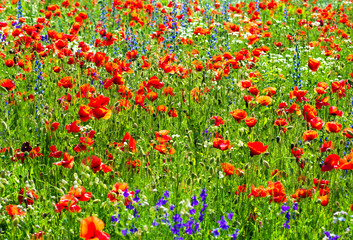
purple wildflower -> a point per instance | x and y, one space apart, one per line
124 232
155 223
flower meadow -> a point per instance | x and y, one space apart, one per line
182 119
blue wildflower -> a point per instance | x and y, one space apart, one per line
223 223
215 233
235 234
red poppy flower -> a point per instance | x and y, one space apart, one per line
316 123
67 202
66 82
309 135
240 189
162 136
99 101
119 189
168 91
13 210
333 127
54 152
173 113
277 192
294 108
239 115
253 90
246 83
230 170
101 113
54 126
346 163
258 192
321 183
152 96
27 195
330 163
155 82
9 63
38 236
323 200
221 144
99 58
270 91
264 100
326 145
298 94
250 122
80 193
96 164
309 112
67 162
297 152
313 64
248 98
73 127
300 194
335 112
8 84
217 120
280 122
256 148
91 228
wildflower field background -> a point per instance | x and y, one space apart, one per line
187 119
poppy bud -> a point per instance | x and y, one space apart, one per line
349 132
2 188
15 221
266 164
